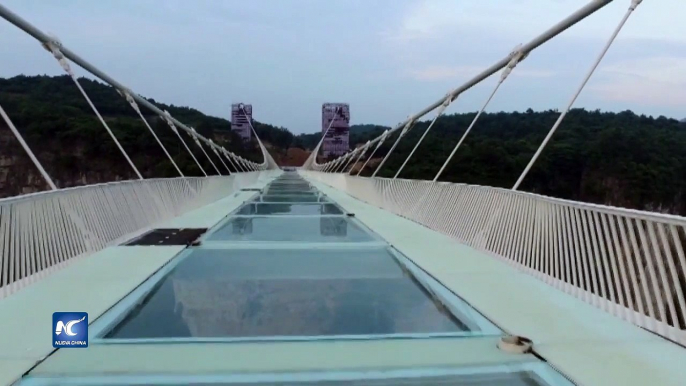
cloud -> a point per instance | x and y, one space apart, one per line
443 73
434 19
657 81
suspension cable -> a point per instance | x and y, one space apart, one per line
262 148
350 157
344 165
343 161
516 57
172 126
335 163
27 149
381 141
127 95
632 7
439 112
407 128
52 48
243 162
238 162
197 142
316 149
365 147
214 149
339 161
251 165
235 165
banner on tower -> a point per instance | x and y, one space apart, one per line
241 118
335 118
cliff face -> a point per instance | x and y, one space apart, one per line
16 170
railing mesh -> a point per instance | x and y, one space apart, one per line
44 231
627 262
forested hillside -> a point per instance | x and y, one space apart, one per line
618 159
75 149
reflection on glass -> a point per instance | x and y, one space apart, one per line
289 228
331 210
232 293
333 226
290 198
241 226
288 188
289 209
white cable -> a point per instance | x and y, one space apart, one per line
228 156
172 126
633 6
357 152
65 65
344 165
516 57
262 148
214 149
353 154
243 163
381 141
365 147
407 128
338 162
476 118
441 109
194 135
316 149
126 94
27 149
238 162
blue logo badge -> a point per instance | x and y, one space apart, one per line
69 329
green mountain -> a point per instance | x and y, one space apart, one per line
75 149
620 159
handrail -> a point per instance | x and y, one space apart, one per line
627 262
44 231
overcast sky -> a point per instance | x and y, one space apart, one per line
387 58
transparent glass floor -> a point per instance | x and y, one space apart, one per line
291 197
291 265
312 209
290 228
249 293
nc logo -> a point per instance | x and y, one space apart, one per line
67 327
70 329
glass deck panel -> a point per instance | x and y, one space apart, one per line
266 293
290 228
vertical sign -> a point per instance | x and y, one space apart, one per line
336 141
241 118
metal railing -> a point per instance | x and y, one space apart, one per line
44 231
627 262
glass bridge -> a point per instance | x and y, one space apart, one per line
291 270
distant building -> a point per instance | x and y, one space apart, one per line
336 141
241 118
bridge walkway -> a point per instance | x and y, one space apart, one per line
369 317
